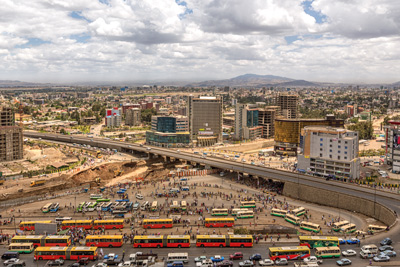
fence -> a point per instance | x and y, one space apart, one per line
194 172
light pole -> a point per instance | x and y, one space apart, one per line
374 199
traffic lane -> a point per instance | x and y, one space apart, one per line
194 251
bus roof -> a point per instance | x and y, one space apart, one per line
30 222
51 249
297 248
116 221
309 223
247 201
148 237
298 209
314 237
178 236
27 236
57 236
325 248
241 236
219 209
77 221
103 236
377 226
21 244
157 220
348 226
210 236
84 248
220 219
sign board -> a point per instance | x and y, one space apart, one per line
45 228
206 133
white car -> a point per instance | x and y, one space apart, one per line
312 259
148 148
349 252
266 262
139 196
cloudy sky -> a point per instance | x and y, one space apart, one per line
193 40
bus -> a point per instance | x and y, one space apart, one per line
219 222
184 257
66 253
289 253
224 241
247 204
92 206
80 206
108 224
175 207
376 228
104 241
96 196
46 208
348 229
157 223
183 205
145 205
136 206
86 224
293 219
319 241
299 211
338 225
59 220
278 212
57 241
245 214
327 252
98 154
161 241
54 207
36 240
219 212
154 206
235 211
30 225
310 227
21 248
103 200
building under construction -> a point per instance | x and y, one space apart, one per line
288 105
11 137
266 119
7 117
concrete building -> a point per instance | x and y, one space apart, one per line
132 117
113 117
205 120
11 143
246 122
288 105
329 152
266 119
287 132
392 133
169 131
7 117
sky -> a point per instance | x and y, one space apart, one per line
193 40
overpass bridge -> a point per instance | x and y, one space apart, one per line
371 202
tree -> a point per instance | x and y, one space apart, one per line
147 113
364 129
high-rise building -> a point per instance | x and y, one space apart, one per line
205 120
132 117
7 117
329 152
246 122
169 131
113 117
266 119
392 133
11 137
288 105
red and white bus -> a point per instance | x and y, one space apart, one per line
57 241
66 253
224 241
219 222
108 224
104 241
157 223
290 253
161 241
86 224
30 226
43 241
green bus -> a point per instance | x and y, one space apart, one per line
327 252
310 226
80 206
348 229
338 225
299 211
245 214
25 248
219 212
96 196
292 219
319 241
278 212
103 200
247 204
92 206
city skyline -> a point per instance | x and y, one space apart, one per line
193 40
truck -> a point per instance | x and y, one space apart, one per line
38 183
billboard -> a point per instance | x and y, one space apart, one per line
396 140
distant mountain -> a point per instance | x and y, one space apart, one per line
396 84
247 80
298 83
11 83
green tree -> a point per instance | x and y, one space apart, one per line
364 129
147 113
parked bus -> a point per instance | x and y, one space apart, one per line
376 228
108 224
219 212
104 241
183 205
54 207
161 241
338 225
145 205
293 219
66 253
183 257
86 224
46 208
61 219
80 206
136 206
36 240
219 222
348 229
319 241
21 248
103 200
175 207
154 206
290 253
96 196
245 214
299 211
235 211
327 252
30 225
278 212
57 241
157 223
106 207
247 204
92 206
310 226
224 241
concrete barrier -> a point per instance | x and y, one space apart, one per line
340 201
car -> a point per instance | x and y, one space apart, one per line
148 148
217 258
12 260
312 259
112 261
200 259
266 262
178 151
387 247
246 263
342 241
281 261
236 256
139 196
75 264
349 253
343 262
83 261
353 241
386 241
225 263
381 257
389 253
175 264
100 264
57 262
255 257
17 264
243 160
